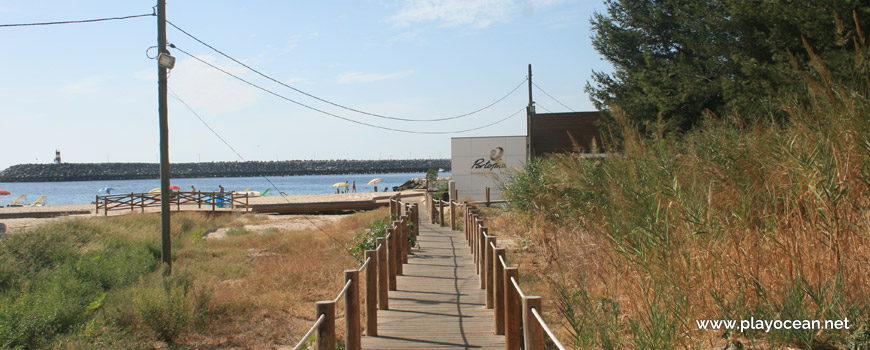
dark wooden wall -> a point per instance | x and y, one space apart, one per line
550 131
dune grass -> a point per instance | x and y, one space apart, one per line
98 283
730 221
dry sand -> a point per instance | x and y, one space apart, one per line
282 222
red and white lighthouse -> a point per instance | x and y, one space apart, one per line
57 156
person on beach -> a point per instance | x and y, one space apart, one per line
337 190
192 189
222 188
354 186
376 188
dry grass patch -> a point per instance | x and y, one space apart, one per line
265 284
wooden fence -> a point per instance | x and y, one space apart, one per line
381 267
517 315
133 201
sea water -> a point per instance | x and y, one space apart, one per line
85 192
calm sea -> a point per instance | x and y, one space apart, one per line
84 192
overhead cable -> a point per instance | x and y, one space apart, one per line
336 104
336 115
538 104
554 99
74 22
189 108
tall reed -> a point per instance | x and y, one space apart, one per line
730 221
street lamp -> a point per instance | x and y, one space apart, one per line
166 60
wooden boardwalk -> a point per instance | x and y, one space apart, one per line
439 303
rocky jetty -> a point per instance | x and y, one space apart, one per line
128 171
420 183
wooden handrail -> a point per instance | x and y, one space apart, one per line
513 308
310 332
382 265
547 330
343 290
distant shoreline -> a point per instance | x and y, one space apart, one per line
139 171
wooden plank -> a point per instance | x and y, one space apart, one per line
438 303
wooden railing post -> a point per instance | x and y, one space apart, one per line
406 244
440 213
372 293
383 274
499 290
397 242
415 211
432 209
465 224
513 307
351 311
487 196
391 256
326 331
452 215
474 230
533 332
481 254
488 267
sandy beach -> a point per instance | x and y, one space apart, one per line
14 225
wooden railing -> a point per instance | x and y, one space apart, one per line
517 316
133 201
381 266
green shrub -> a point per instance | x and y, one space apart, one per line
168 307
55 304
367 239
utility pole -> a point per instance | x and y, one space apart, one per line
166 251
530 115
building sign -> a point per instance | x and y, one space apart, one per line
481 162
494 161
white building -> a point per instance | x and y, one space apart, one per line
481 162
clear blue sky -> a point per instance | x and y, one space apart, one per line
90 91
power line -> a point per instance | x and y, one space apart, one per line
336 104
75 22
538 104
336 115
283 196
554 99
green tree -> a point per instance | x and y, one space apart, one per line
675 59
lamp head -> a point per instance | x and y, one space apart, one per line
166 60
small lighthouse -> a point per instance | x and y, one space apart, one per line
57 156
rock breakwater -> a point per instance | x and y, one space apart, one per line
130 171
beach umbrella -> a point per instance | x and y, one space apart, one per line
174 188
4 193
340 184
106 189
375 181
154 190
